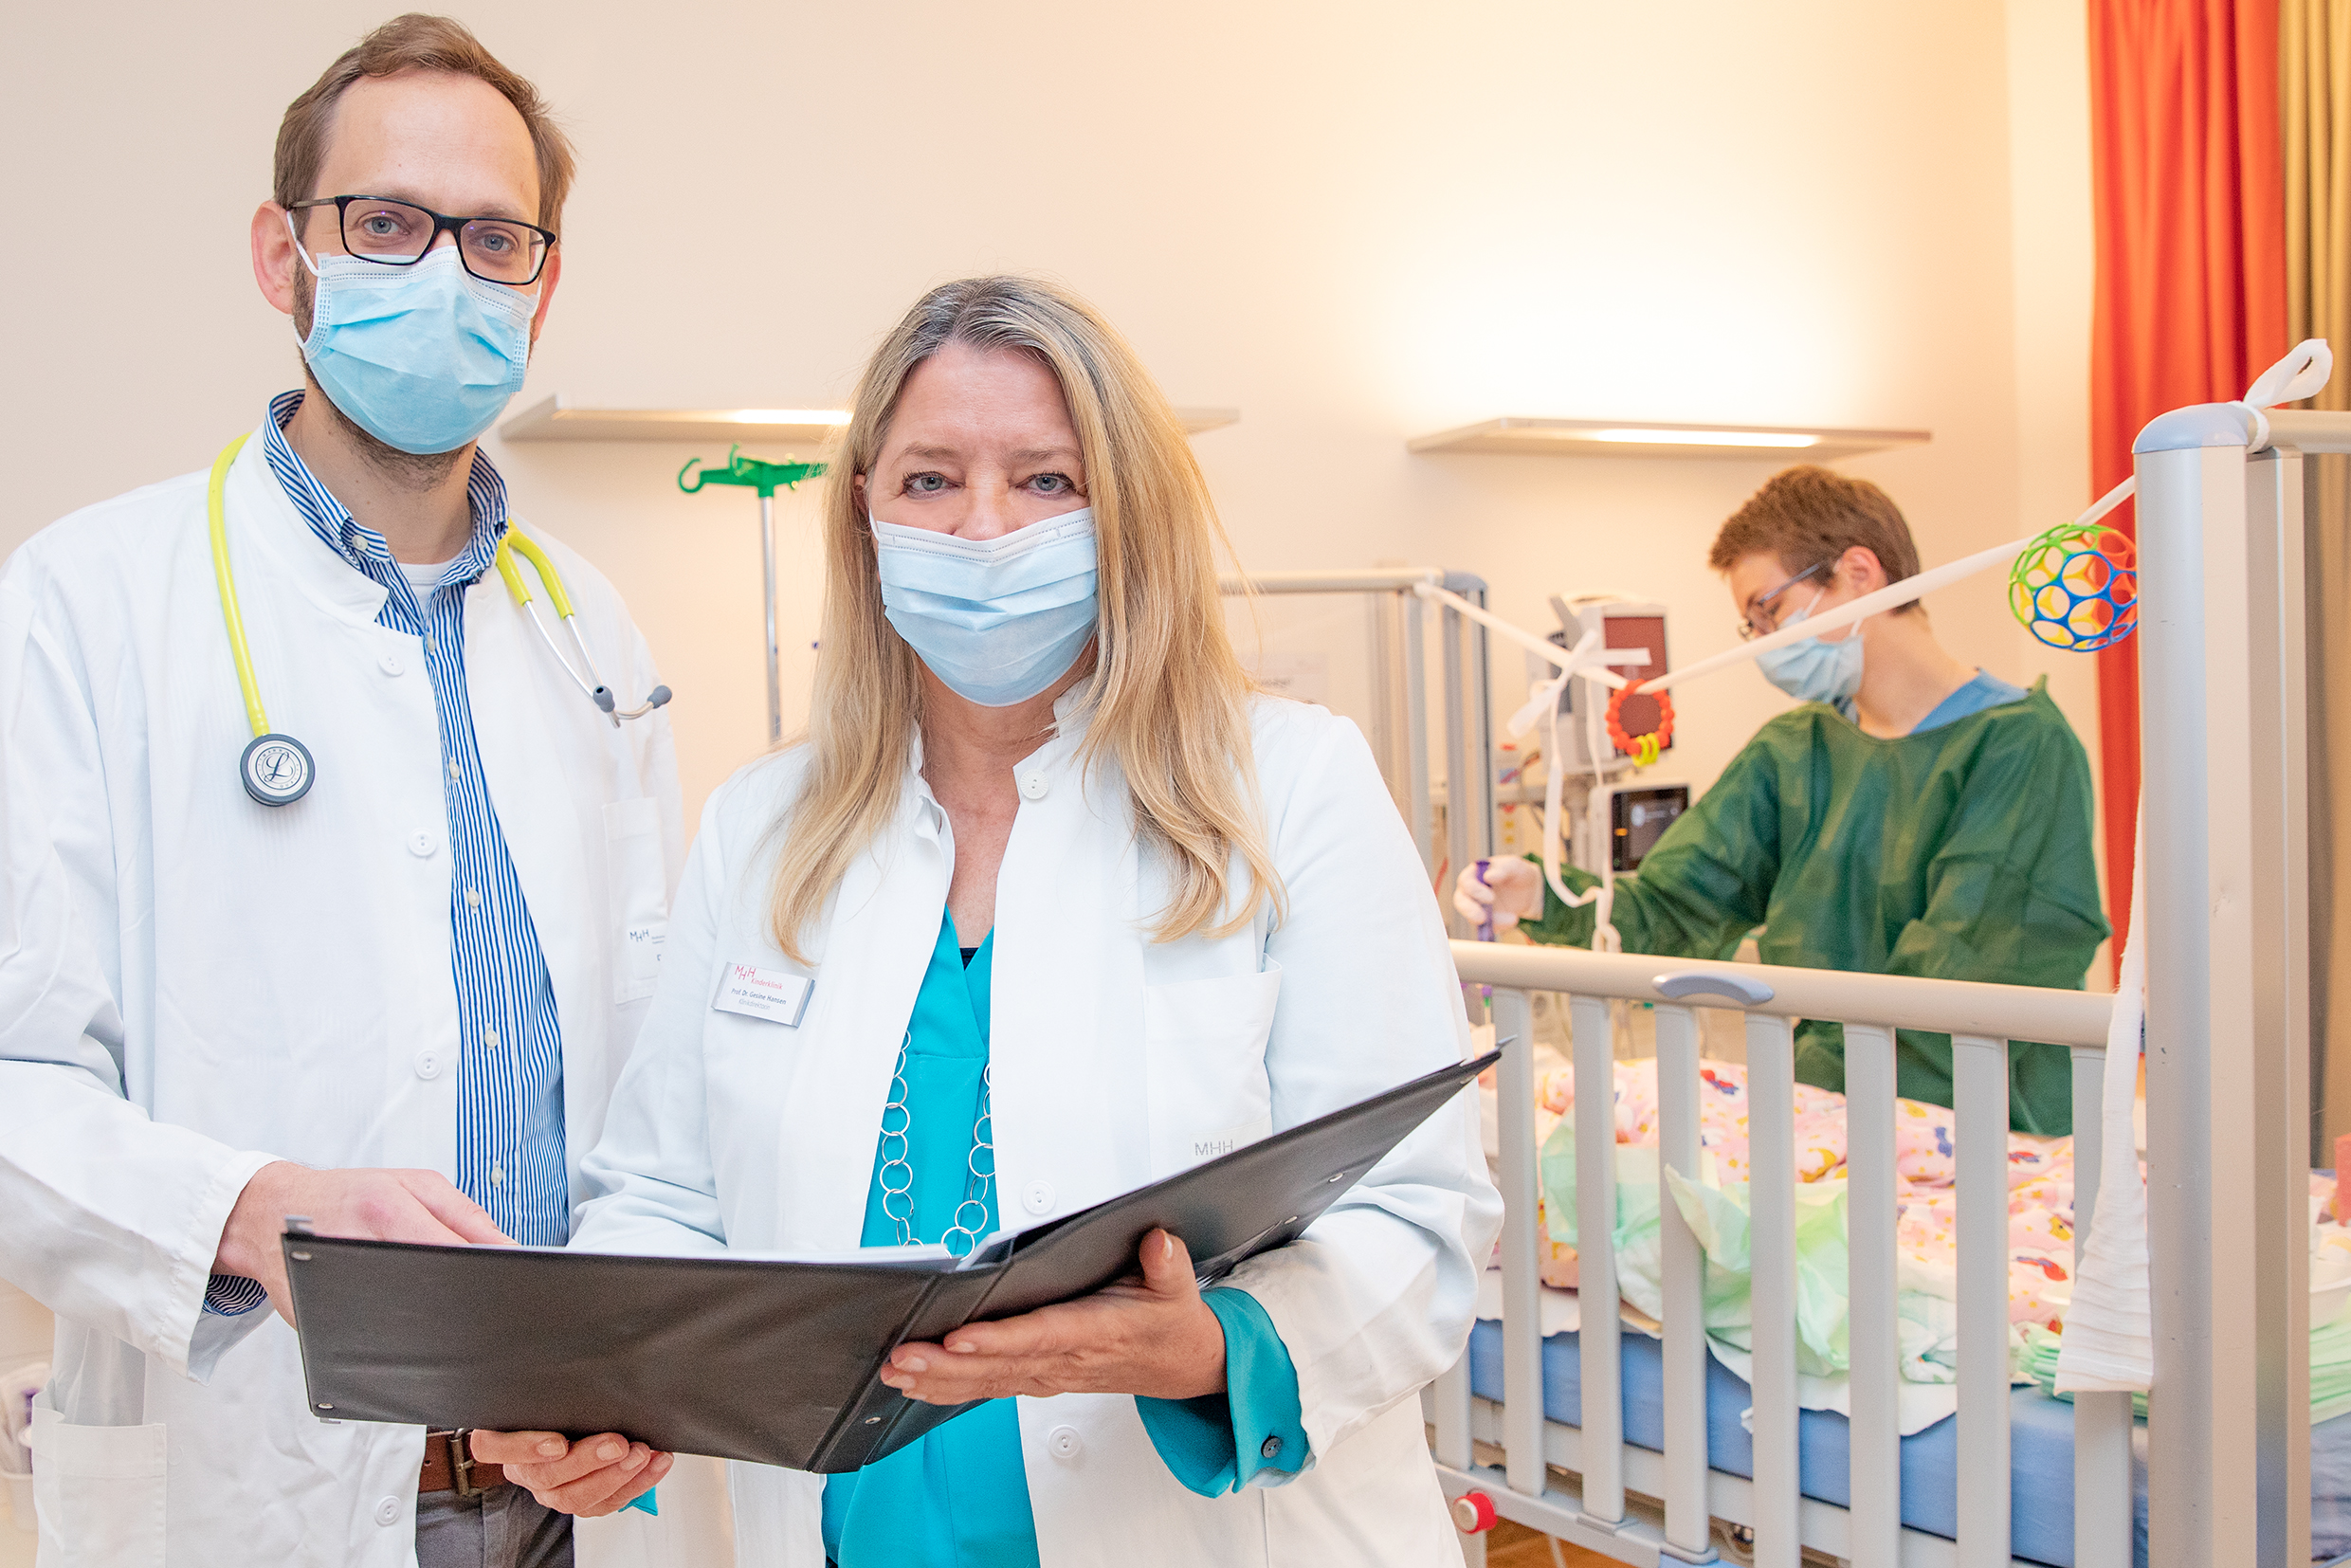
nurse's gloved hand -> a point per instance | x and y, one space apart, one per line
1512 891
418 1206
590 1478
1152 1336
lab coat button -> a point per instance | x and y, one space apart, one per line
1034 786
388 1511
422 844
1065 1444
1037 1197
428 1065
391 663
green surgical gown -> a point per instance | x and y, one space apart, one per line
1959 853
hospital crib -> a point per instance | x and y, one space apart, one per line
1642 1505
2222 652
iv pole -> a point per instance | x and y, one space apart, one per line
752 473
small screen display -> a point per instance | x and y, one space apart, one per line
1638 818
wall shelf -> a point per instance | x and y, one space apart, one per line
1653 438
555 420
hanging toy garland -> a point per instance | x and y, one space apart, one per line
1640 723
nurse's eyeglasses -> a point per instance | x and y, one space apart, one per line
398 234
1761 621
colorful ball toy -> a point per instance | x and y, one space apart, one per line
2077 587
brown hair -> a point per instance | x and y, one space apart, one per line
1808 515
1167 700
415 43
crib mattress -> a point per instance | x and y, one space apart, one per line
2040 1448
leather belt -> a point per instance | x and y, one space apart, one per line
451 1466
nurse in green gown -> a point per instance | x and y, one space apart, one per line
1914 816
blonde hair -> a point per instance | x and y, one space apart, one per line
1168 699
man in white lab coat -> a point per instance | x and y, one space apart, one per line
383 974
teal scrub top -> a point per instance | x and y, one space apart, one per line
1960 851
958 1494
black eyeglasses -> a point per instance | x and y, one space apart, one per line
398 234
1748 629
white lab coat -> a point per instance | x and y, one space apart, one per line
193 985
1116 1060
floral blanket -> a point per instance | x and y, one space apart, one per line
1713 1200
2040 1177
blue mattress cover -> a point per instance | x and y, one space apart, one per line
2040 1448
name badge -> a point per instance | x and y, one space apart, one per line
774 995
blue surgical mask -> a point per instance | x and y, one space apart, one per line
420 357
1815 671
998 620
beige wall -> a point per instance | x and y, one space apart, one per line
1355 223
2056 265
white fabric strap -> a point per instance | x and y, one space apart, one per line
2110 1338
2302 374
1543 648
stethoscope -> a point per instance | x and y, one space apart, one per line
277 770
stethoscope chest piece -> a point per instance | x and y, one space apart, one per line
277 770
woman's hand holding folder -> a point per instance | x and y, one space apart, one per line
1150 1335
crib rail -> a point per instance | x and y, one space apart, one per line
1644 1507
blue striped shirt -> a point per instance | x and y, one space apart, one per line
510 1064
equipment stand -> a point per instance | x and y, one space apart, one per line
752 473
767 578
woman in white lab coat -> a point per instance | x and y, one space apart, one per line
1188 915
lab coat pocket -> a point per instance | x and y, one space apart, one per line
633 850
1205 1048
98 1492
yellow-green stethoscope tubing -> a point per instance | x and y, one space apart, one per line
217 509
549 578
515 543
276 769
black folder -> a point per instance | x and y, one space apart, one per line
763 1359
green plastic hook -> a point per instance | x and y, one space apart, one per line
749 472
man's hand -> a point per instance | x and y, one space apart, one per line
1153 1336
1512 891
590 1478
376 1205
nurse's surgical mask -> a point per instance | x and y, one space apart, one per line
1815 671
423 357
998 620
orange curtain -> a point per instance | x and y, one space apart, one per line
2191 293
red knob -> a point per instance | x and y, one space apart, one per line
1474 1513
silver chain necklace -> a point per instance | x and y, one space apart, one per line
971 1216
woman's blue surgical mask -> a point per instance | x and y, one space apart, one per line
422 358
1815 671
998 620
